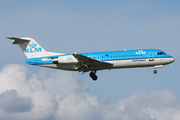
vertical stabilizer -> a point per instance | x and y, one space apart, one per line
31 48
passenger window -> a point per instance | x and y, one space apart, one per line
127 55
135 55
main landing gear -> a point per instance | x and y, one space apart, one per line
93 75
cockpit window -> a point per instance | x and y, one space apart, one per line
161 53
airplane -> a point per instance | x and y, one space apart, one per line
93 61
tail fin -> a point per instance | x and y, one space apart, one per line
31 48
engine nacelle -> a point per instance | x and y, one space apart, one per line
65 59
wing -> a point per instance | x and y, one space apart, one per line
87 64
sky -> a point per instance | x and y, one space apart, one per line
35 93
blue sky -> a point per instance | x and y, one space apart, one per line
92 26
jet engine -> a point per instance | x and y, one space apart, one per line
65 59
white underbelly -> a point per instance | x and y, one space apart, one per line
135 63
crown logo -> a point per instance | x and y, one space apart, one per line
140 52
33 45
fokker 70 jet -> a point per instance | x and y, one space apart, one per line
94 61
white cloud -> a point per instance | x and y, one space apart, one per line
54 94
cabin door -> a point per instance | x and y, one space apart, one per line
151 56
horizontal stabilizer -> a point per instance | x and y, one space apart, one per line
17 40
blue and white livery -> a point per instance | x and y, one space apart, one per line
85 62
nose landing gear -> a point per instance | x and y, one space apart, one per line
93 75
157 66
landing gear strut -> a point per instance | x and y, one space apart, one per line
93 75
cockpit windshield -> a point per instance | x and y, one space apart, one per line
161 53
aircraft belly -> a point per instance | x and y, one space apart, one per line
116 64
48 65
135 63
70 67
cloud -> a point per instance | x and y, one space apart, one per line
11 102
54 94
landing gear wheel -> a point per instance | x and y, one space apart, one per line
155 71
93 75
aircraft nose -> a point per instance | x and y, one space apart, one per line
171 60
167 60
